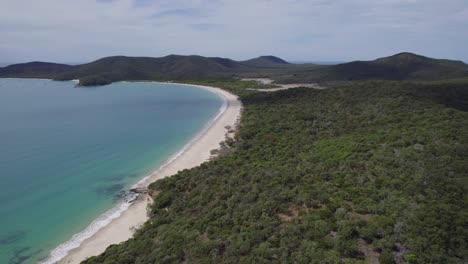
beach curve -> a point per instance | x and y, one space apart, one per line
118 224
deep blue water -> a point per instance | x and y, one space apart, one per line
66 153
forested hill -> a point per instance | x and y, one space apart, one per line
140 68
34 69
120 68
363 172
266 61
403 66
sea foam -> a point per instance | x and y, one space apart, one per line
62 250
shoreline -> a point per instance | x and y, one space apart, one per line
119 223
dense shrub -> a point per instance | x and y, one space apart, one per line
360 171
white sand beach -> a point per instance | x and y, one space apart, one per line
196 153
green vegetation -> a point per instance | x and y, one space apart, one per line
34 70
266 61
120 68
96 80
360 172
403 66
171 67
364 171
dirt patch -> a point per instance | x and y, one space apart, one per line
372 256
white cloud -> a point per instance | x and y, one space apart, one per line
76 31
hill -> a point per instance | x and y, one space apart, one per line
364 172
119 68
402 66
34 69
266 62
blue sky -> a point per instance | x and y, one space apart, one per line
296 30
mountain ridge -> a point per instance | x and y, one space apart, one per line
401 66
36 69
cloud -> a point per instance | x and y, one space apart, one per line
206 26
180 12
78 31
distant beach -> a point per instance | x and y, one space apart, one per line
127 217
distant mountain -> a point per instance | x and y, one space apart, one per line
34 69
402 66
318 62
265 61
118 68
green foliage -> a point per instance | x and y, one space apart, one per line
95 80
411 258
266 61
172 67
403 66
318 176
34 69
333 151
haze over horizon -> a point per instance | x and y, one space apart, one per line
295 30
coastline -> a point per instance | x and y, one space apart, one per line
124 218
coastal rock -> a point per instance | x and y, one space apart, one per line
139 190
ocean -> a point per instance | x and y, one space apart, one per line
67 154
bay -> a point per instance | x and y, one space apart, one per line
67 153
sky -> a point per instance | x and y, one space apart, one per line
75 31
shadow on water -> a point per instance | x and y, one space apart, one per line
19 256
22 255
12 237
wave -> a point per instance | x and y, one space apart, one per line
62 250
105 219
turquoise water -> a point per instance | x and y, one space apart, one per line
66 154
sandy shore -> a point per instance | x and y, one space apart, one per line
197 152
281 86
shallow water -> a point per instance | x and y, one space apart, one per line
66 154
